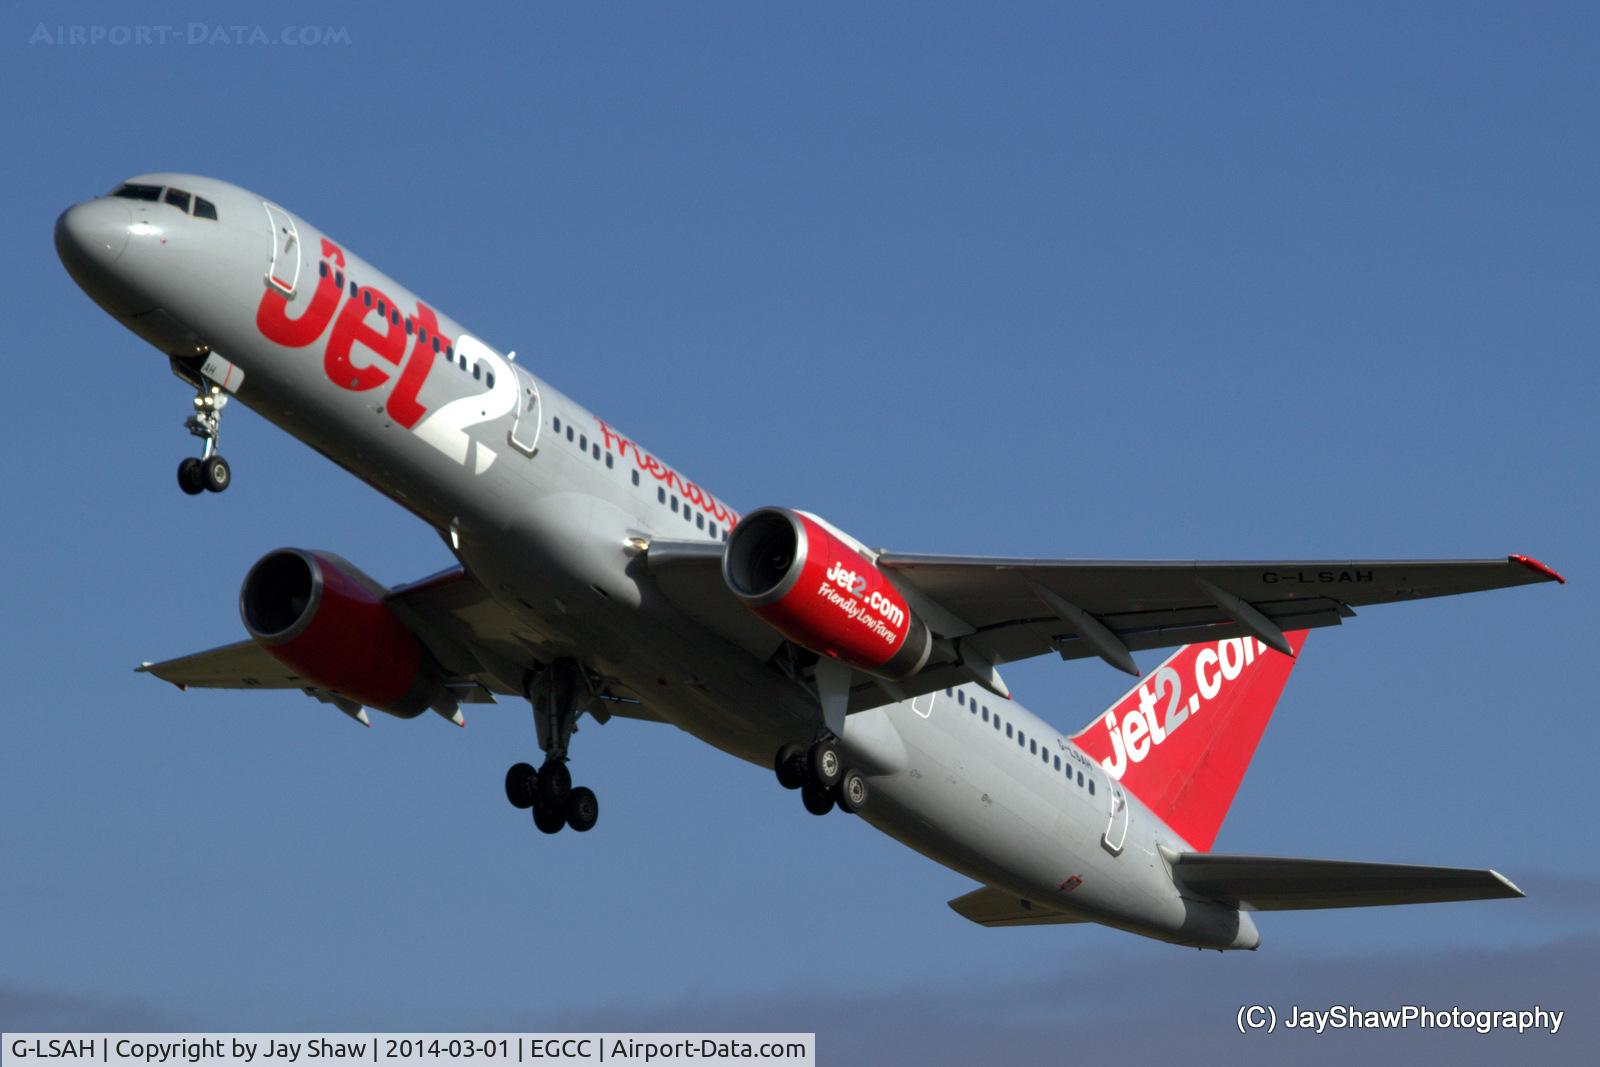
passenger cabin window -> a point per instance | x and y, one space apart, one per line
204 209
130 191
635 475
178 199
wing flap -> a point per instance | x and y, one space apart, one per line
1270 883
996 907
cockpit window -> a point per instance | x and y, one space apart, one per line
130 191
178 199
204 209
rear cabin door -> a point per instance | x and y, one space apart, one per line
1117 817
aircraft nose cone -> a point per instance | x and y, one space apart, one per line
93 233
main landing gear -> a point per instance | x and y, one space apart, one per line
821 776
559 694
209 470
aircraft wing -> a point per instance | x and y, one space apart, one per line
997 610
996 907
481 648
1267 883
1024 607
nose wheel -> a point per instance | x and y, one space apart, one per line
196 476
209 471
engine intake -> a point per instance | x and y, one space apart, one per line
324 619
823 593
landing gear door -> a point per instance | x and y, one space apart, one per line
284 272
1117 818
524 435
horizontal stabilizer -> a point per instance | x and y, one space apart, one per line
996 907
1268 883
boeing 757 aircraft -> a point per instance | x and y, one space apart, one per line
596 579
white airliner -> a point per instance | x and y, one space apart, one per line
594 578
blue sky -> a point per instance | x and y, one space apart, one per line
1247 281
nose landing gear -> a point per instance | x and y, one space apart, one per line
209 471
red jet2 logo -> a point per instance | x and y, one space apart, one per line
369 318
353 327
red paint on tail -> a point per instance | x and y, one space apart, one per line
1181 739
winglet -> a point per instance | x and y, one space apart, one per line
1537 567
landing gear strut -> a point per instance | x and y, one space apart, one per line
559 694
821 776
209 470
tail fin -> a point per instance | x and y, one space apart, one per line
1181 739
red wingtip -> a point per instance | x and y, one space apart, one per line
1537 567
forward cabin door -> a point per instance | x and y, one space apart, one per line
284 272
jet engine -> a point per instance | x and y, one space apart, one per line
324 619
823 592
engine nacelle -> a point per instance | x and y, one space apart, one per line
823 593
322 618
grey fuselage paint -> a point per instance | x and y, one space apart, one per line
548 534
